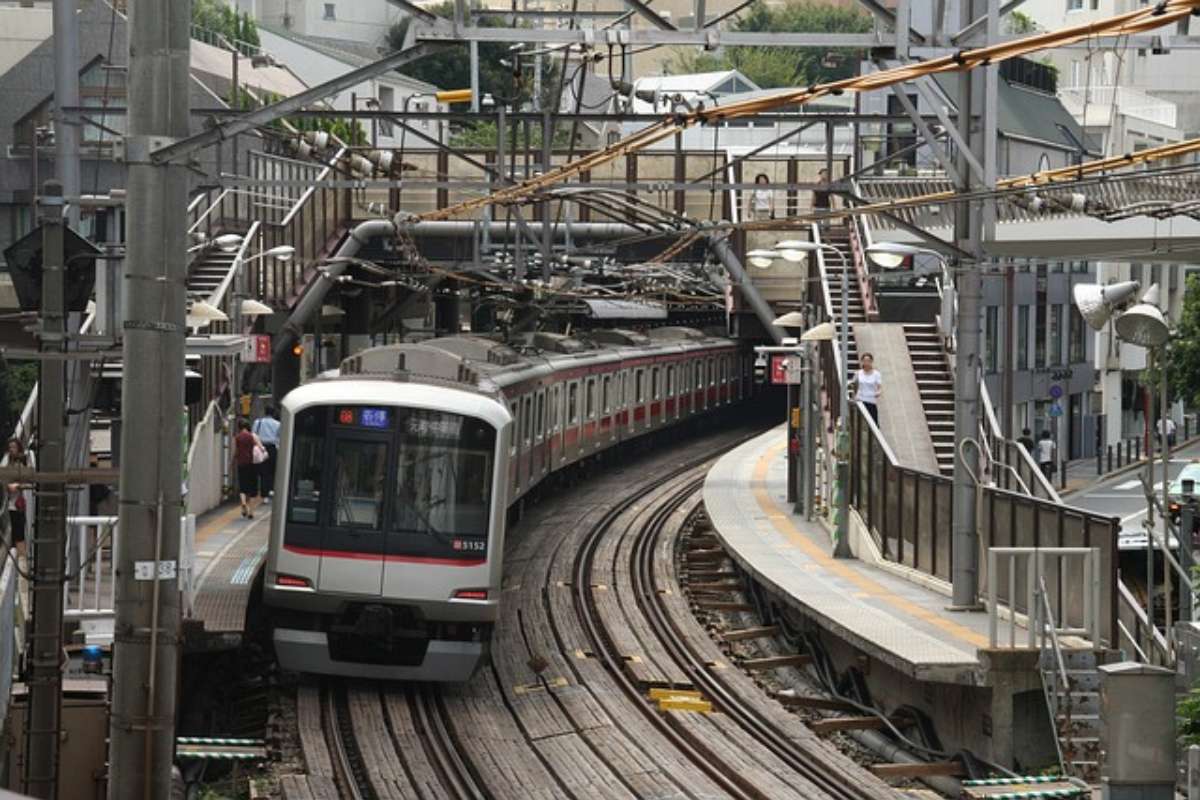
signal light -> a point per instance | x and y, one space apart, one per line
293 582
471 594
297 350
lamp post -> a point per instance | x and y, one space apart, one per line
795 250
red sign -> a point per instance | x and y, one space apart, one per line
257 349
779 372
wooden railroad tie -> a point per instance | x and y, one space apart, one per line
865 723
721 605
710 574
745 634
918 770
822 703
715 586
706 555
773 662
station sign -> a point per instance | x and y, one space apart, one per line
257 349
779 370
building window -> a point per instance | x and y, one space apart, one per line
1074 5
329 11
387 102
1056 334
991 340
1022 337
1078 343
1040 321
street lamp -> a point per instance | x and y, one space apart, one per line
795 251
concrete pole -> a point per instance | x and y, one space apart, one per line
811 413
49 539
1166 491
146 633
474 76
841 547
964 568
66 95
722 249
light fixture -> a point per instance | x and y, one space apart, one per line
762 258
1144 324
824 332
796 250
253 308
228 242
206 312
1096 303
890 255
332 311
792 319
283 252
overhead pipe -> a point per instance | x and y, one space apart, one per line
724 252
498 229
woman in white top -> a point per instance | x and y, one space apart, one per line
762 199
868 385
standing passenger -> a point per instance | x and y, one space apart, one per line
17 506
868 385
762 199
247 469
266 428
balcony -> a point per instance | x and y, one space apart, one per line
1130 102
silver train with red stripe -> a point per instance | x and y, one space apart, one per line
396 476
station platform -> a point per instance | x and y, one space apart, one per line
894 628
229 551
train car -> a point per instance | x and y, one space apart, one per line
396 475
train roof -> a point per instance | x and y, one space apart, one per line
484 364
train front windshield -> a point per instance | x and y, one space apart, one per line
402 482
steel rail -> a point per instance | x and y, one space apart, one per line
441 744
804 762
727 777
349 771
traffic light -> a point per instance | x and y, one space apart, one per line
297 349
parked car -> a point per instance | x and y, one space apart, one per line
1175 498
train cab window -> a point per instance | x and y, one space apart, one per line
443 484
539 427
573 404
605 394
308 446
654 385
359 475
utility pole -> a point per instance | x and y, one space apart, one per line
146 634
66 95
49 538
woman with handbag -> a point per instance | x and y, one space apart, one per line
250 454
17 506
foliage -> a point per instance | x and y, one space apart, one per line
450 67
482 136
1183 356
786 66
16 382
337 127
1020 24
217 16
1187 711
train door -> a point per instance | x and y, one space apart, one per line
526 439
608 427
540 436
352 545
671 406
571 435
557 454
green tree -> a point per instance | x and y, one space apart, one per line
771 67
222 18
1020 24
482 136
450 67
1183 356
16 382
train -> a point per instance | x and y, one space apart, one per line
396 475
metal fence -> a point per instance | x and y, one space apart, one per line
908 513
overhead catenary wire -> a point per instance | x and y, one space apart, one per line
1131 22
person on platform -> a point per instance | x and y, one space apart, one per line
266 428
868 385
1046 449
18 495
762 199
1026 441
1166 425
250 455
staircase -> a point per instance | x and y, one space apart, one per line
937 390
840 238
207 271
1073 701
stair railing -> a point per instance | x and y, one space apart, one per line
221 297
1035 569
1138 630
1055 679
858 250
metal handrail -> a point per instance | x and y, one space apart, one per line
1047 625
1137 648
218 294
308 193
1126 597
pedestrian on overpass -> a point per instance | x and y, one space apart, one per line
266 428
868 385
1045 452
1026 441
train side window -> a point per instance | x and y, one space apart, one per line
699 376
308 457
539 430
591 398
573 403
514 408
526 419
639 390
360 473
712 373
654 386
605 392
671 380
